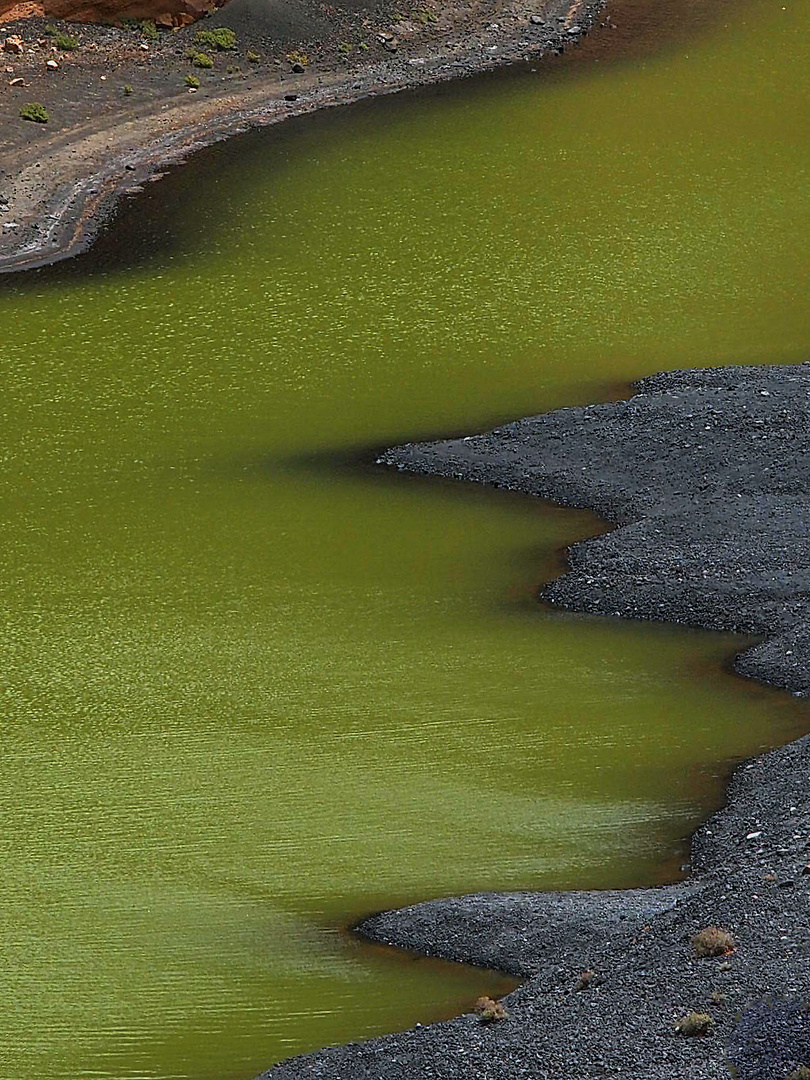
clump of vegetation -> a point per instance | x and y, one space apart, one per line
220 38
694 1023
298 57
719 998
424 15
148 29
345 47
50 30
712 941
65 42
802 1073
585 980
490 1011
201 59
232 69
127 90
253 57
35 112
193 82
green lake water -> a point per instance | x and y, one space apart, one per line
254 688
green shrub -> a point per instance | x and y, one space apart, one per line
253 57
712 941
66 42
201 59
298 57
127 90
694 1023
148 29
490 1011
193 82
35 112
802 1073
220 38
50 30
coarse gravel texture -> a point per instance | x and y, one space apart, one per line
705 474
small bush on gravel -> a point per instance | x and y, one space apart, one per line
66 43
127 90
694 1023
193 82
201 59
712 941
35 112
220 38
298 57
253 57
490 1011
148 29
802 1073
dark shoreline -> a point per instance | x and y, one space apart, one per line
703 474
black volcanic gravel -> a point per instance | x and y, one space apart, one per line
706 473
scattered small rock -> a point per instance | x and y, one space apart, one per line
14 45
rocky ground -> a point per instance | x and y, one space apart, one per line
705 473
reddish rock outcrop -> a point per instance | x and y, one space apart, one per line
164 12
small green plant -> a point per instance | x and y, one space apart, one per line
50 30
490 1011
66 43
148 29
345 47
802 1073
424 15
127 90
221 38
232 69
719 998
712 941
193 82
694 1023
201 59
585 980
253 57
35 112
298 57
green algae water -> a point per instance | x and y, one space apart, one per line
254 688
